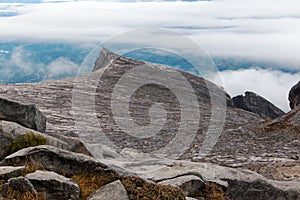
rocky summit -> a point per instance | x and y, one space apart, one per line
294 96
254 103
206 146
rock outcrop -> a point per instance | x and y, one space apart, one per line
27 115
258 105
294 96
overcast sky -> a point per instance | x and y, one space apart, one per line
254 29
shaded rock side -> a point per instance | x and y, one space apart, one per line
7 172
54 185
294 96
27 115
254 103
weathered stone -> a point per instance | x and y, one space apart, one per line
190 198
189 184
111 191
10 131
20 184
294 96
55 159
54 185
257 104
27 115
7 172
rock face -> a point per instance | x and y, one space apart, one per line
294 96
25 114
105 58
257 104
240 144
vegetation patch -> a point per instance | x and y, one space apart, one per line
12 194
29 139
136 187
210 191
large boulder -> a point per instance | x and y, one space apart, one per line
294 96
10 131
55 186
55 159
254 103
27 115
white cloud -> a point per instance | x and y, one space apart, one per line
272 85
263 30
61 66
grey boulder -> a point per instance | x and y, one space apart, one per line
27 115
54 185
7 172
111 191
10 131
55 159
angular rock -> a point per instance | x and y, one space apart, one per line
55 159
7 172
105 58
27 115
111 191
10 131
188 184
54 185
20 184
294 96
254 103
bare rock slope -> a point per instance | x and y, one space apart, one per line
246 140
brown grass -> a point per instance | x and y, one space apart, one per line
136 187
211 191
